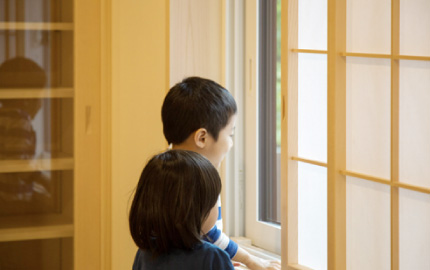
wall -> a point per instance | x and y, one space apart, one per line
196 43
137 48
139 79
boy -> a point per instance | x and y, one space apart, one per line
199 115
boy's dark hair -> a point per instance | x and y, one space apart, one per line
176 191
196 103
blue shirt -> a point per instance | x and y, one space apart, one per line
205 256
220 239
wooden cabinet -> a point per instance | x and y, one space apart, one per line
39 135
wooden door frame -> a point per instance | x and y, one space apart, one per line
92 146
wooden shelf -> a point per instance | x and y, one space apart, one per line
36 26
23 93
34 233
55 164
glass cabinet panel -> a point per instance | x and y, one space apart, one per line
36 134
36 254
36 11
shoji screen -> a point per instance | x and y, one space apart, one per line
368 101
307 133
414 134
356 177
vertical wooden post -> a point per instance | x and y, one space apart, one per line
106 135
87 173
289 143
395 33
336 137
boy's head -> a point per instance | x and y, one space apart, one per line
176 194
197 110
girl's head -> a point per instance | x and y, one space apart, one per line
175 195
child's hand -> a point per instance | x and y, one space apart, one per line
254 263
238 266
260 264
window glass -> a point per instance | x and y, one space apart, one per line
269 118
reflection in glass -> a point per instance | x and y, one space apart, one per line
22 50
29 193
36 10
36 254
17 134
36 133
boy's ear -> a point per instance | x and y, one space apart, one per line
200 137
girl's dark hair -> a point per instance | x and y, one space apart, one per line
196 103
176 191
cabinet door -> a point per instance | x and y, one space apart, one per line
36 134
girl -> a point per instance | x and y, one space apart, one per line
175 205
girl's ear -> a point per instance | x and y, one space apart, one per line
200 137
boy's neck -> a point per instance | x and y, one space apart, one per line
185 146
191 146
188 144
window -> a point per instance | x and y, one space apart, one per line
262 124
269 113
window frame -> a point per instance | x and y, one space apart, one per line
263 234
268 162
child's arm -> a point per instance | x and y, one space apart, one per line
255 263
236 253
221 240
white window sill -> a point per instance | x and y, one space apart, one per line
246 244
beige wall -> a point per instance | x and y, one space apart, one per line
139 82
196 39
142 67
